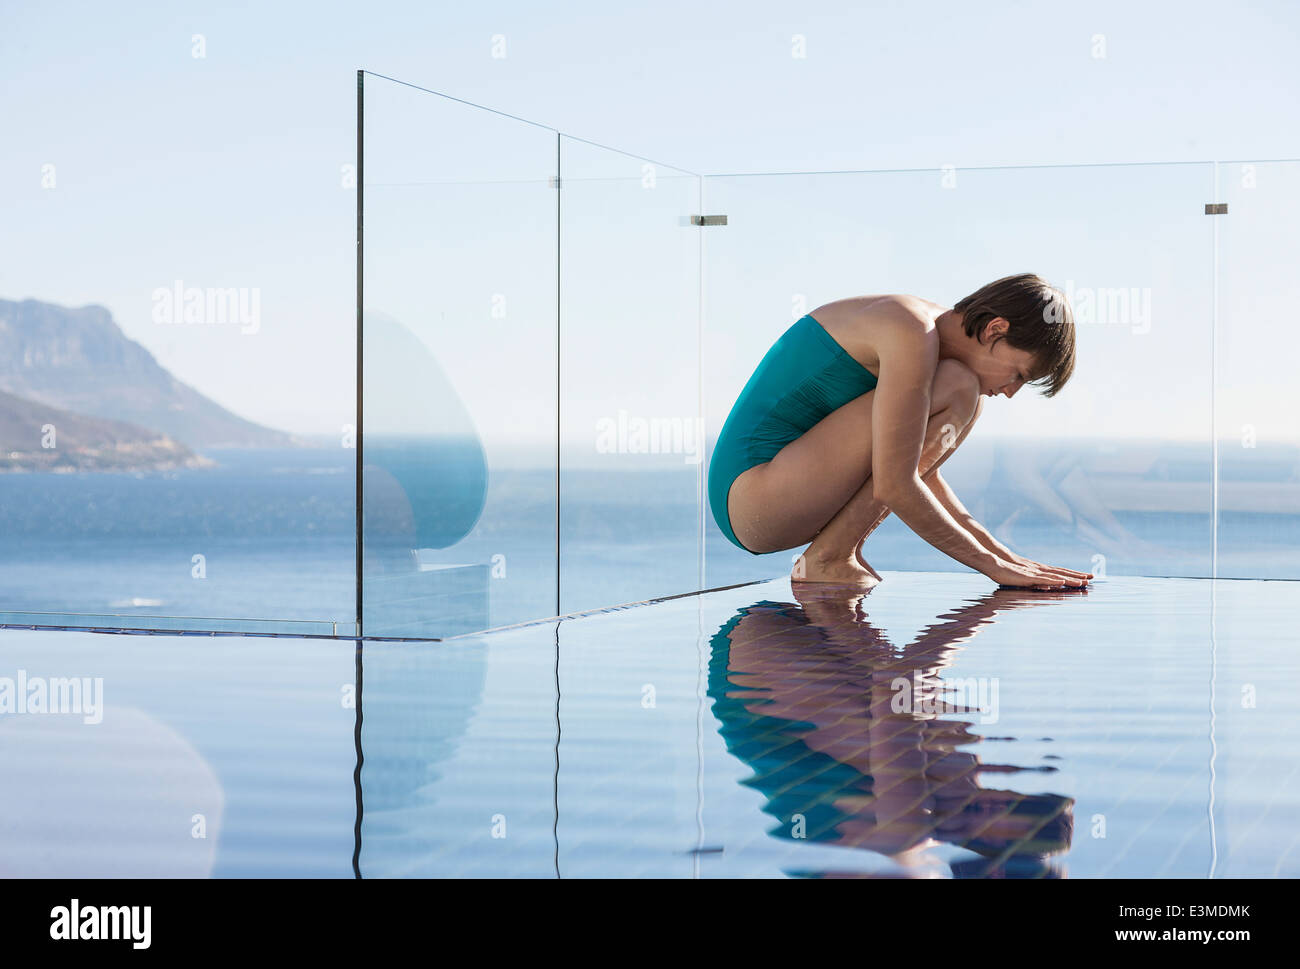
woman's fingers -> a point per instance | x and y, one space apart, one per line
1025 573
1057 570
1062 578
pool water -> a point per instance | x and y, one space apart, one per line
932 728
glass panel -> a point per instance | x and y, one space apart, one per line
1114 474
173 443
631 469
459 352
1259 440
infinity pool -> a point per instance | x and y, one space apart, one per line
932 728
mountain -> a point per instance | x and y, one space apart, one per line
81 443
80 360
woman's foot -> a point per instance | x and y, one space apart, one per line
866 565
849 572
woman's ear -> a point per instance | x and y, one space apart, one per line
993 330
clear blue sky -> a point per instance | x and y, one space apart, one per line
226 170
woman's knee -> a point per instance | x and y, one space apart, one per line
955 388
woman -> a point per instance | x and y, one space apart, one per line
853 409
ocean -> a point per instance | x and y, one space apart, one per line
269 534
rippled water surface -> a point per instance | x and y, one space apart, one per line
932 728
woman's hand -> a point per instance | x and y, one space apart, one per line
1055 570
1028 574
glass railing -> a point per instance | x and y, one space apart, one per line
552 332
175 401
459 385
632 455
1258 454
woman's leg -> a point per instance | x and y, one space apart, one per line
818 488
825 557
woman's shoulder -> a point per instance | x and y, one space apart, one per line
859 323
881 306
919 306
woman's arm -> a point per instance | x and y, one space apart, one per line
948 498
907 347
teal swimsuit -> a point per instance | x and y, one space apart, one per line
802 378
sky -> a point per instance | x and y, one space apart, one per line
156 142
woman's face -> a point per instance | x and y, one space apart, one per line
1001 368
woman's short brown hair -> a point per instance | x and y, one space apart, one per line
1040 318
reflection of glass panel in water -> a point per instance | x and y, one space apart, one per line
424 486
417 706
458 768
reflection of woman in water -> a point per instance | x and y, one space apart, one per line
807 697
